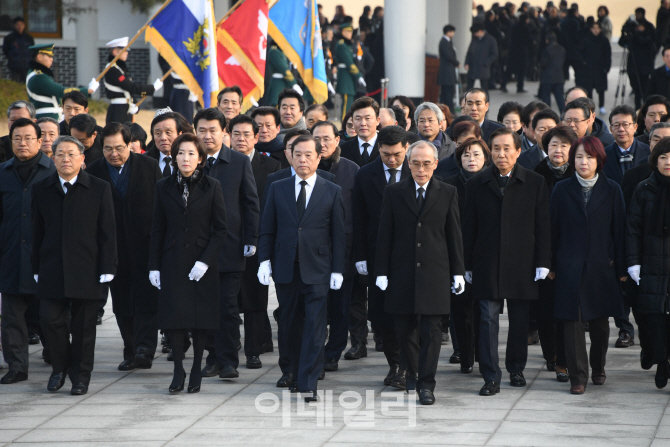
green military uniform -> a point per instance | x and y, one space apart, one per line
45 93
277 70
347 71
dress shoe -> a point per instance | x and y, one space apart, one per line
268 347
310 396
143 360
56 381
445 338
392 373
490 389
533 338
293 387
33 339
466 369
127 365
624 340
662 371
503 89
228 372
330 365
79 389
356 352
253 362
551 366
194 381
285 381
13 377
322 374
178 380
577 389
455 358
98 322
211 371
646 361
562 374
170 356
399 381
517 379
426 397
598 378
165 349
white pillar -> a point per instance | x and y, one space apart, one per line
87 41
460 15
405 46
155 69
437 15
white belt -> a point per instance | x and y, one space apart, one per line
119 101
341 65
180 86
49 100
56 110
277 75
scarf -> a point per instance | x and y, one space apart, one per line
465 175
120 179
186 183
24 169
559 171
37 66
326 164
661 209
270 147
587 186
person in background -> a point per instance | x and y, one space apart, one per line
138 138
400 116
659 78
50 131
605 22
16 110
268 120
482 53
596 53
448 67
84 128
230 102
448 117
552 79
654 107
429 117
387 117
477 106
509 114
291 108
15 47
348 130
409 108
314 114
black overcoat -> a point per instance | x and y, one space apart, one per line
448 63
596 54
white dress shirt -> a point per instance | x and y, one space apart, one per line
309 187
388 174
425 187
63 181
372 142
216 156
161 162
251 154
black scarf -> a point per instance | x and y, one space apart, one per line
326 164
186 184
661 209
37 66
120 179
465 175
25 168
272 146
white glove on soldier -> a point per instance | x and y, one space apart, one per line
93 85
459 285
106 278
158 84
382 282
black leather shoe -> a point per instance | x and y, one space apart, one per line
178 380
322 374
624 340
165 349
551 366
33 339
143 360
426 397
228 372
490 389
393 370
253 362
517 379
562 376
379 342
293 387
79 389
170 356
98 322
399 381
356 352
310 396
56 381
646 361
268 347
13 377
533 337
455 358
662 372
466 369
285 381
194 381
330 365
598 378
127 365
211 371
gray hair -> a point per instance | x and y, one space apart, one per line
657 126
421 144
16 105
389 111
67 139
433 107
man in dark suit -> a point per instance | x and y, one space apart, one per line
73 253
476 106
448 65
165 128
493 230
551 75
84 128
133 180
244 135
269 143
428 117
75 103
17 177
364 148
369 185
339 301
233 170
482 53
17 109
419 250
302 239
659 81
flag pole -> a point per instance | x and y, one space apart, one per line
138 34
230 11
167 73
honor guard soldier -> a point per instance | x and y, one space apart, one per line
182 100
347 71
281 77
120 88
45 93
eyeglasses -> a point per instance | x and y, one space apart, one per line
425 165
617 126
574 121
325 140
28 140
118 149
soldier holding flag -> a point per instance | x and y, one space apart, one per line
347 71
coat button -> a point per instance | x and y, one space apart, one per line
23 241
184 213
186 230
419 244
24 215
25 189
299 229
418 264
187 245
419 225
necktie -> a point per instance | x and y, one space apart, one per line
392 177
302 200
210 162
626 161
419 198
166 170
365 156
66 187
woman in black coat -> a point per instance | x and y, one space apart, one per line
472 156
587 223
189 229
596 53
554 168
648 255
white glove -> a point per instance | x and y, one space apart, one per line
633 271
382 282
336 281
297 88
362 267
158 84
193 97
468 277
249 250
35 276
133 109
93 85
106 278
155 278
331 89
541 273
362 82
264 272
198 271
459 285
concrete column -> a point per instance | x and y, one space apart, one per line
87 41
460 15
405 46
437 15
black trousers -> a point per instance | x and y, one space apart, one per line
383 324
575 348
254 331
104 295
118 113
549 329
519 71
15 329
546 90
447 93
658 327
358 312
484 82
420 341
77 355
639 82
179 103
227 337
339 302
463 318
139 333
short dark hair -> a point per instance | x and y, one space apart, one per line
529 109
211 114
18 19
84 123
570 90
392 135
48 119
593 147
476 27
304 139
290 93
551 37
662 147
509 107
651 100
580 105
188 138
113 129
243 119
448 28
505 131
466 127
476 90
467 144
76 97
562 132
399 116
665 48
25 122
137 133
320 107
604 8
294 133
412 138
265 111
181 123
231 89
623 109
545 114
363 103
404 100
640 11
336 131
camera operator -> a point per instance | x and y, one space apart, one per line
638 36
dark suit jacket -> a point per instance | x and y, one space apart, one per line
319 236
612 168
93 153
233 171
74 237
286 173
659 82
448 63
131 290
6 146
447 167
351 151
419 250
632 178
488 127
532 157
551 64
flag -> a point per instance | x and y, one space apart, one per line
241 49
183 33
294 26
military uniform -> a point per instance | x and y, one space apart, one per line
281 78
180 98
347 73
